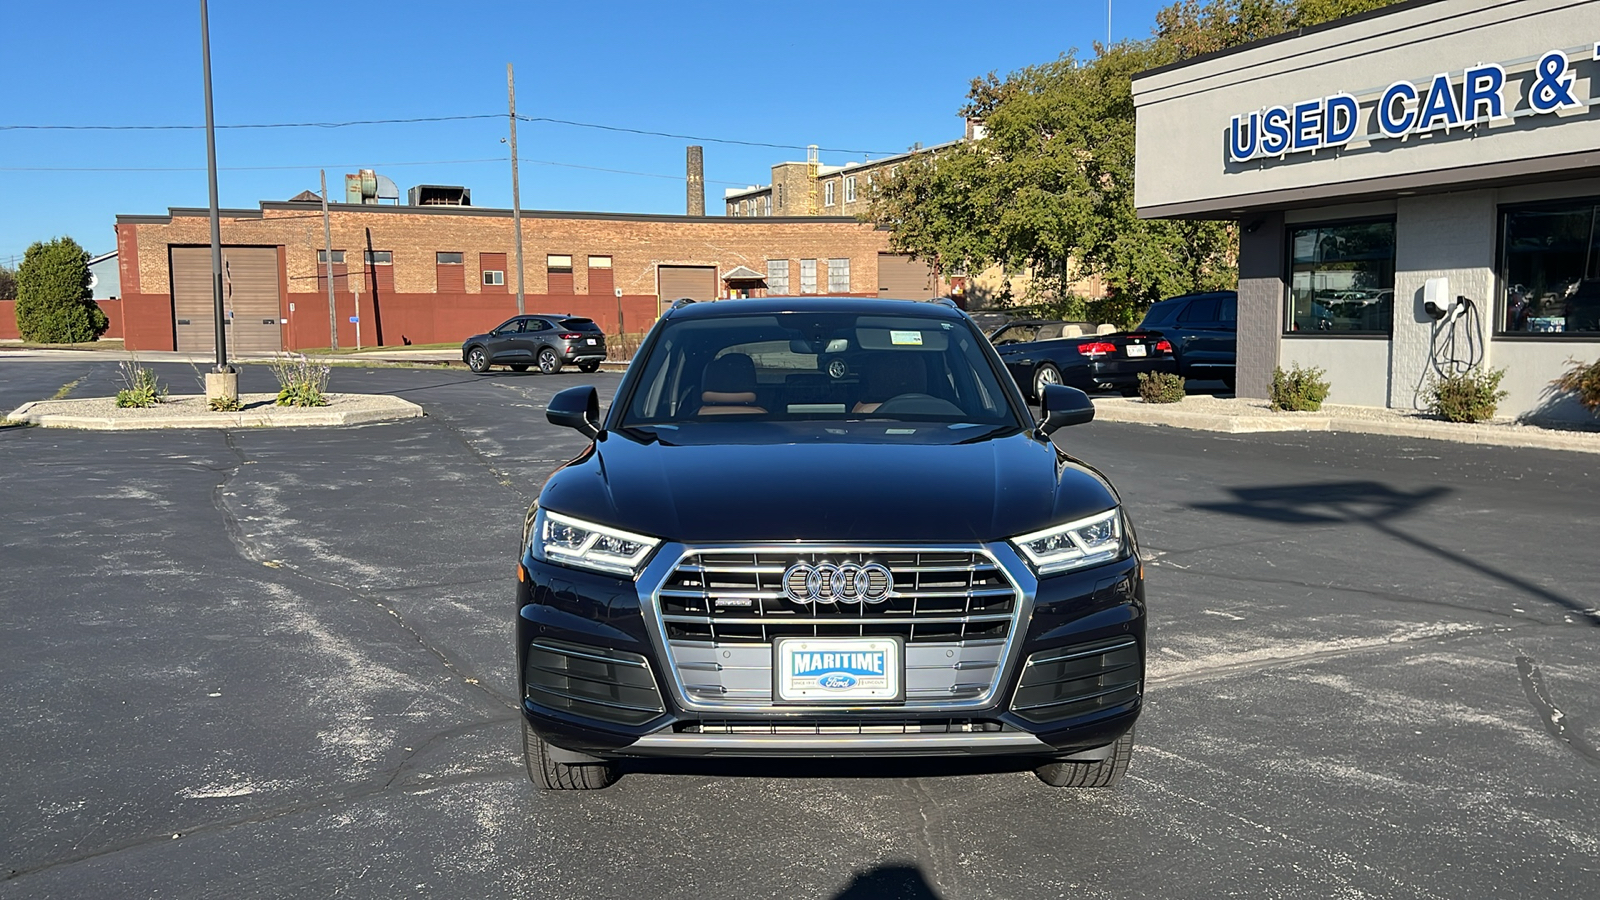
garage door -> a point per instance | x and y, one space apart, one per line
903 278
695 282
249 291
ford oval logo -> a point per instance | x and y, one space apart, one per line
837 681
830 583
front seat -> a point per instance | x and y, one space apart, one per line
890 375
729 386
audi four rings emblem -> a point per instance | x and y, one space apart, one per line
830 583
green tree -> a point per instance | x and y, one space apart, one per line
1050 189
54 302
8 283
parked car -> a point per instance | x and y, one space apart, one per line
819 528
1091 362
546 341
1203 331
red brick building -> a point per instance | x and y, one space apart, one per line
430 274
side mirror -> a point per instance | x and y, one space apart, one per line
1061 406
577 408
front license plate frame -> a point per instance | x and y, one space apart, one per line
1136 350
831 671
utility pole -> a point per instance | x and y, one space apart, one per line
516 190
327 244
216 222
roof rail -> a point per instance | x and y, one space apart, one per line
680 302
945 301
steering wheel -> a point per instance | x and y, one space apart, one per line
918 405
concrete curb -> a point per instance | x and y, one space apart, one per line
359 409
1117 410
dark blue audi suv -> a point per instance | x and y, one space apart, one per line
826 527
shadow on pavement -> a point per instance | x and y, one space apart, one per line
889 882
1378 507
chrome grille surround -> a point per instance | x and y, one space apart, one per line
960 608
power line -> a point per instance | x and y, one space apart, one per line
426 119
692 137
378 165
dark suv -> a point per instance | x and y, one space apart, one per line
548 342
826 527
1203 330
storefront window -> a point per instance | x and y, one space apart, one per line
1341 278
1550 268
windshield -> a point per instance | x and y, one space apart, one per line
817 366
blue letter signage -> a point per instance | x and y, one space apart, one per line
1448 101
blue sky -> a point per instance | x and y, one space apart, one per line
876 76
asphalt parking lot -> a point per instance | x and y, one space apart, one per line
277 663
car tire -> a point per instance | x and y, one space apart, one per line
478 360
1044 375
549 361
518 367
1103 774
547 774
592 366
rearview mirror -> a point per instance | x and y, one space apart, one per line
1061 406
576 408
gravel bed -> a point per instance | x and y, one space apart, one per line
191 411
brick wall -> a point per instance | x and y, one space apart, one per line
413 308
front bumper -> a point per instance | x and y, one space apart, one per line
600 677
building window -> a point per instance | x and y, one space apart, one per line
766 205
744 207
494 277
1341 278
1550 268
838 276
777 277
808 276
322 257
449 259
378 257
850 189
599 262
893 171
827 194
558 272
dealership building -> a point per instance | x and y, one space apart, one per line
421 273
1417 189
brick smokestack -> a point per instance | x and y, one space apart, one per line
697 181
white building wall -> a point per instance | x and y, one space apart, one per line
1357 368
1441 236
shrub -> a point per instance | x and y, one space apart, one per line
1466 397
1583 381
300 382
225 404
1298 390
1160 387
54 302
141 388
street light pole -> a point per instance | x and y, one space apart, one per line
516 191
211 174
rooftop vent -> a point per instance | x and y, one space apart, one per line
440 195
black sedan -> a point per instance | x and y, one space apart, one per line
1092 362
546 341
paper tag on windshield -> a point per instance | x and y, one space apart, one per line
906 338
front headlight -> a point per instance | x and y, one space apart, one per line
585 545
1086 542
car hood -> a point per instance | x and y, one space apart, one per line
915 488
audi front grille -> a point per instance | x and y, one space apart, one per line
719 612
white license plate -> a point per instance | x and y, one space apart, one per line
592 341
1136 350
830 670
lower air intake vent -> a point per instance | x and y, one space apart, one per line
593 682
1073 681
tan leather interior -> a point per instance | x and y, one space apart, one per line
729 387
